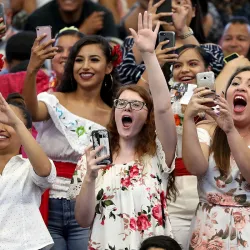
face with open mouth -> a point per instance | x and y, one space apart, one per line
64 45
188 64
129 122
238 95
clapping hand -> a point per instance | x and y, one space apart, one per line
7 115
145 38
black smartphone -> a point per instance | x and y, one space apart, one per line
166 6
230 57
101 138
2 15
167 35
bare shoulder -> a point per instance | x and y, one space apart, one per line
58 95
208 125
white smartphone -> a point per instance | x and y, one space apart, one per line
205 79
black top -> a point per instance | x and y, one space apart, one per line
49 15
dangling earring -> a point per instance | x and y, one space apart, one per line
112 82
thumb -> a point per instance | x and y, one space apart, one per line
134 34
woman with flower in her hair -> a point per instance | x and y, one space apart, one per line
65 120
125 203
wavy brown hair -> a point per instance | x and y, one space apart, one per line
220 146
146 143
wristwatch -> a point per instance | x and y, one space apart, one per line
187 34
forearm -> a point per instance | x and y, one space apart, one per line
240 152
37 157
112 6
190 39
192 153
29 92
85 203
143 81
164 117
29 6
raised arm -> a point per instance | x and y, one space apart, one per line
37 157
39 54
195 154
164 118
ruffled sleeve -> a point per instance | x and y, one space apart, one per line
204 136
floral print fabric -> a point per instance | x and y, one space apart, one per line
130 203
222 219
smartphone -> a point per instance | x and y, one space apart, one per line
206 79
167 35
230 57
101 138
166 6
40 30
2 14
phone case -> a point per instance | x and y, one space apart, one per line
230 57
167 35
205 79
101 138
40 30
166 6
2 14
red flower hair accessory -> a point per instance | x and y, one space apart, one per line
116 55
1 62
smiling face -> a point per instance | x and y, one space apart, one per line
130 122
64 44
91 66
70 5
9 140
188 64
238 97
236 39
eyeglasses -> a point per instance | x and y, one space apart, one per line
135 105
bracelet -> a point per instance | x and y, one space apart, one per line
186 35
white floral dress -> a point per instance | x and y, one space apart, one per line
130 203
222 219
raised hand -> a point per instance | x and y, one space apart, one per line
152 9
7 115
198 102
163 55
41 52
180 13
222 115
92 160
145 38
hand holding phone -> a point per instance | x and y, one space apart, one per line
101 138
206 79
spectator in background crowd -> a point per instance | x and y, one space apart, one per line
236 37
18 51
90 18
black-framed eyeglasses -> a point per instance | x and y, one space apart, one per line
135 105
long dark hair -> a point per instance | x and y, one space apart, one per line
110 82
146 144
220 146
196 23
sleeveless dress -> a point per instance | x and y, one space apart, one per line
222 218
130 202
